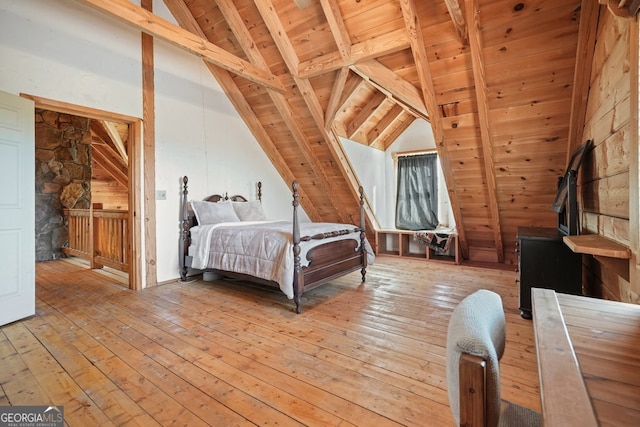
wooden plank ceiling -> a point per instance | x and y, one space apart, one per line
494 77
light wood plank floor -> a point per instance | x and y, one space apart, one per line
225 353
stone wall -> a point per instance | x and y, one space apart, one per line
63 177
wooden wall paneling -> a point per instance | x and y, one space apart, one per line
608 196
109 195
607 178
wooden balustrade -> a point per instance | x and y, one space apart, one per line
100 236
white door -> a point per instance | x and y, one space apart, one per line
17 208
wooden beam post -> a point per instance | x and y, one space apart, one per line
149 156
475 44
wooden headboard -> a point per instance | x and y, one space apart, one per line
189 220
188 214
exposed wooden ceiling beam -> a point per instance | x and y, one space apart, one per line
154 25
184 17
283 43
414 30
481 90
337 27
101 133
381 127
455 8
351 89
106 157
112 130
334 99
241 32
403 122
434 112
365 113
589 15
393 85
375 47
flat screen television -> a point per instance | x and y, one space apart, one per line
566 201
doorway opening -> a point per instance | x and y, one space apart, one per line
87 170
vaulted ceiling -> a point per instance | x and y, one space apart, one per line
502 82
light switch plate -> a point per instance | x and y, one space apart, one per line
161 194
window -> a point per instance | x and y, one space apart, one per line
417 192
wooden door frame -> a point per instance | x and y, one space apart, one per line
134 173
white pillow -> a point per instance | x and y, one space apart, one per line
249 211
213 213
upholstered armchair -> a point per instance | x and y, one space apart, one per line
475 343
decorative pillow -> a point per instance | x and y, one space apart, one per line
249 211
213 213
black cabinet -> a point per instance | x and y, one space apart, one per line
544 261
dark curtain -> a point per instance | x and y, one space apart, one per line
417 195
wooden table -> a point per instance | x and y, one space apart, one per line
588 359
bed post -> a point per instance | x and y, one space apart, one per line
298 285
260 191
363 236
182 248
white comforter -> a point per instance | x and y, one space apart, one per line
260 248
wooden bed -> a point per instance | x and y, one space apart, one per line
326 261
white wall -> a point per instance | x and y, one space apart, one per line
198 132
368 165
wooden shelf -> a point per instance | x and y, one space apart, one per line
595 244
400 243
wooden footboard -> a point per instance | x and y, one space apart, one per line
327 261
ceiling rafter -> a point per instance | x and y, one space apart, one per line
334 100
375 134
271 20
365 113
112 130
481 91
393 86
337 27
184 17
391 42
455 8
421 59
404 121
351 89
154 25
279 34
102 135
241 32
589 15
105 156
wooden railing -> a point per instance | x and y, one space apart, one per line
100 236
